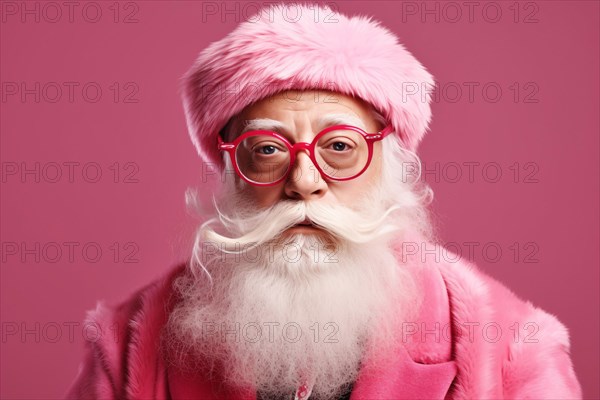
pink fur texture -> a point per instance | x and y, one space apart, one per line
468 366
301 48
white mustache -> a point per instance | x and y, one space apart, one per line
253 230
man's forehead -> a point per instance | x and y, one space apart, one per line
325 98
326 102
320 95
318 123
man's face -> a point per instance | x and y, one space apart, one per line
303 114
342 275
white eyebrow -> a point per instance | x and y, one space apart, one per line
263 124
268 124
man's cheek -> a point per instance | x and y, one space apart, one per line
265 196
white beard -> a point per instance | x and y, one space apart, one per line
296 308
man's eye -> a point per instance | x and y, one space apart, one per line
340 146
266 149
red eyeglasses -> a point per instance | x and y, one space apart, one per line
265 158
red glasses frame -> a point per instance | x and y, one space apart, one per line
370 138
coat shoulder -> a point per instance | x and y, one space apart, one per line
121 352
144 310
520 350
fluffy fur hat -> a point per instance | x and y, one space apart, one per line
305 47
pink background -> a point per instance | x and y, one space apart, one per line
550 210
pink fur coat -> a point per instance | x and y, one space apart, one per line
474 339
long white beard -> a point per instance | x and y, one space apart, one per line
293 308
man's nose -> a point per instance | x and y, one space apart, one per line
305 181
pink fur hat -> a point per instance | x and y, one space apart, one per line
302 47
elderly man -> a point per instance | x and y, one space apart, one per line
311 280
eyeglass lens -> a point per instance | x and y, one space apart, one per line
339 154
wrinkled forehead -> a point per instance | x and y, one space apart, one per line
322 99
325 108
324 121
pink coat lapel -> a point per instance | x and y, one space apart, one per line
423 367
405 379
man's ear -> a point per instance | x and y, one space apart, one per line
230 131
224 131
380 120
